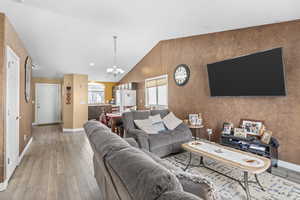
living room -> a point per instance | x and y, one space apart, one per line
200 102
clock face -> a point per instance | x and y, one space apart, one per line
181 74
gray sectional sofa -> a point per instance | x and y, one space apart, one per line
161 144
125 172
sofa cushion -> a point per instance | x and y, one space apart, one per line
192 183
162 113
144 114
161 139
171 121
101 138
143 178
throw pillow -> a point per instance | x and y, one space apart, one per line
171 121
155 118
146 125
159 126
157 123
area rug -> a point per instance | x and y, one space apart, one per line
276 187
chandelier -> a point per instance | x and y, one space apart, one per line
114 70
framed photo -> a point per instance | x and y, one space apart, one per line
193 119
239 132
227 128
252 127
266 138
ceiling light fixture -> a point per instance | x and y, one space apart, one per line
92 64
114 70
35 67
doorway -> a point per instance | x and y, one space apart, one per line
47 98
12 111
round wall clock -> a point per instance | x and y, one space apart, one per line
28 67
181 74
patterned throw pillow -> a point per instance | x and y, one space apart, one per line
157 123
171 121
146 125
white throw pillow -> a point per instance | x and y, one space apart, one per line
171 121
155 118
146 125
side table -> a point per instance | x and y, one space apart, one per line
195 130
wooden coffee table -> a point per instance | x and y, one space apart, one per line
244 161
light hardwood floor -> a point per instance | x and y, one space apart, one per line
58 166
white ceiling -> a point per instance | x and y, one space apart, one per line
64 36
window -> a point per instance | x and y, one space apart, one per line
96 93
156 91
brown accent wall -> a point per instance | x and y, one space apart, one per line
281 114
76 113
41 80
11 39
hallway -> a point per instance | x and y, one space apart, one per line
57 166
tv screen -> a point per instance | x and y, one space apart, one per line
259 74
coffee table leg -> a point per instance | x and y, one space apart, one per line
247 185
256 178
189 162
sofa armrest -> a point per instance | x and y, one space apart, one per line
184 129
140 136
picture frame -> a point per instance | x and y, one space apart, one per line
266 137
28 69
240 132
227 128
193 119
252 127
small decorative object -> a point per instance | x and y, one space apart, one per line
181 74
194 119
209 133
227 128
252 127
68 95
200 118
28 67
195 143
240 132
266 137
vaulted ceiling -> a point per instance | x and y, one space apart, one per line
64 36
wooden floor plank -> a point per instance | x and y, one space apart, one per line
57 166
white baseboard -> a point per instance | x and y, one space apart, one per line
3 186
72 129
288 165
25 150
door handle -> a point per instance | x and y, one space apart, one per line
18 117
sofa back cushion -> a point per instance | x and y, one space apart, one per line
162 113
141 175
102 140
129 117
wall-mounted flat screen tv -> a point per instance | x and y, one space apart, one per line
258 74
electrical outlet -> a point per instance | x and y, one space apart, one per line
25 137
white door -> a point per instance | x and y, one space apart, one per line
12 111
47 103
